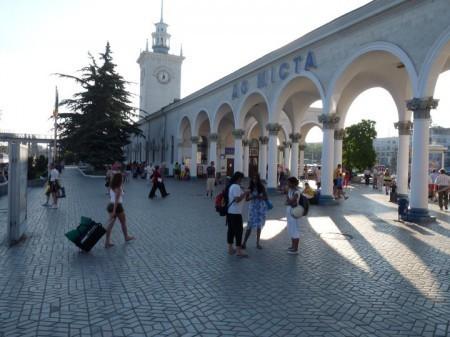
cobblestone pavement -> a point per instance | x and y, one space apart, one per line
382 278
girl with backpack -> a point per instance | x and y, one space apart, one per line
257 209
292 200
236 196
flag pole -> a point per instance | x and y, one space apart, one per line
55 116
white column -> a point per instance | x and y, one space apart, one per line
212 156
329 122
272 157
287 155
263 141
338 139
443 159
179 153
194 150
295 138
419 169
238 152
246 144
404 133
301 164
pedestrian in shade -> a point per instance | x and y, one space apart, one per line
158 183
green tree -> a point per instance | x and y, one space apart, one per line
357 149
99 123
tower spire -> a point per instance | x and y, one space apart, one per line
162 10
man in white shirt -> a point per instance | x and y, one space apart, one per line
236 197
442 182
54 185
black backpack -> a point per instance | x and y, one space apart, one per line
304 202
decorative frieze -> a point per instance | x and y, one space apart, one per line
213 137
195 140
329 121
238 133
245 142
404 127
295 137
421 106
264 140
339 134
287 145
273 129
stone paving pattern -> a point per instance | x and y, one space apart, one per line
390 279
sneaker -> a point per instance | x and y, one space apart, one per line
290 248
293 252
46 204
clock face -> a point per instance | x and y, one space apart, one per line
163 77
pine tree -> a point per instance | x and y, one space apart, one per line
100 122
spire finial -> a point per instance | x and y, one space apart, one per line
181 50
162 10
146 46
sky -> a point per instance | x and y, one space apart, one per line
39 38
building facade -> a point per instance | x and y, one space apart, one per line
399 45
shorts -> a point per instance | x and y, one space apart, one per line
210 184
53 186
119 208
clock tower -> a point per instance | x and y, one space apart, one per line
160 82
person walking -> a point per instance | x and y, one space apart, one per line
257 209
236 198
442 181
210 179
115 209
158 183
293 223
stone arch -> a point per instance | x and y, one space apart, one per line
256 102
436 62
200 119
371 61
306 126
223 109
185 130
296 96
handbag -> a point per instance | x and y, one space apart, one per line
269 204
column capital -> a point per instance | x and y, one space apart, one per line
280 148
238 133
213 137
273 128
264 140
302 147
339 134
295 137
195 140
422 106
287 144
404 127
245 142
329 121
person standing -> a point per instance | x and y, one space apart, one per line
318 176
257 209
367 176
210 179
442 182
54 185
387 179
236 198
158 183
115 209
293 223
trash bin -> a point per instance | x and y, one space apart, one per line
403 205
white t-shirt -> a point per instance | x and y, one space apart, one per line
442 180
112 196
54 175
236 207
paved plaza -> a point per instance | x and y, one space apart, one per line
359 272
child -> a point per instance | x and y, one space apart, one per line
292 223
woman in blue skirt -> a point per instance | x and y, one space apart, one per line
257 209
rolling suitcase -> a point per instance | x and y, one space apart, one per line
87 234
